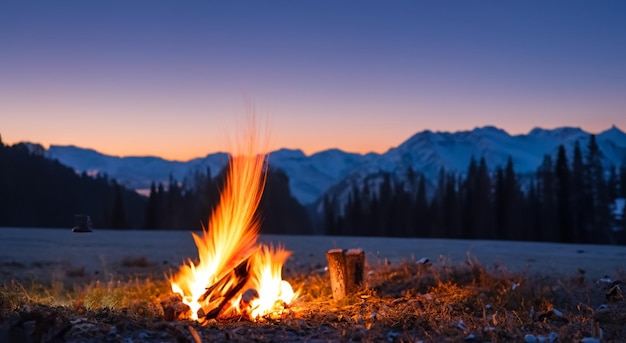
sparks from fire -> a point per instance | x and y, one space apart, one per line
234 274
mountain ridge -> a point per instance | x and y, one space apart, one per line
312 175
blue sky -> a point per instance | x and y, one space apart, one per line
170 78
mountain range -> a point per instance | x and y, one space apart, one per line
313 176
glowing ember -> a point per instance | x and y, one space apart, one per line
234 274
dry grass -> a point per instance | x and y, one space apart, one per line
407 302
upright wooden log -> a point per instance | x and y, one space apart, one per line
337 270
355 269
346 270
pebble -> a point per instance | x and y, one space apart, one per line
423 260
530 338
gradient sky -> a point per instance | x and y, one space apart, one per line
170 78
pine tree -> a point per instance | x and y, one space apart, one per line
500 206
118 216
546 194
621 188
421 221
596 192
514 203
330 217
385 206
612 185
174 204
563 197
436 208
483 221
161 206
151 217
452 206
533 218
374 215
469 201
621 234
354 213
579 197
507 202
403 211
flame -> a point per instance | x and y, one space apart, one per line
230 261
267 280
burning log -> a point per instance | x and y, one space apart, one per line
240 274
174 308
346 270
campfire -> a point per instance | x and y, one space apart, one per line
234 275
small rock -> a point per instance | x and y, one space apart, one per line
530 338
590 340
423 260
552 337
615 294
391 335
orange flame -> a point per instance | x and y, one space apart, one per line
267 280
229 244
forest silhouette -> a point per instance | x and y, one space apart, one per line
563 201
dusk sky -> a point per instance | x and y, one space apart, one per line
171 78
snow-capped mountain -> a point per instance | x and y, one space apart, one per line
427 152
309 176
312 176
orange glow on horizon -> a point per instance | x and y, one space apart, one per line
179 146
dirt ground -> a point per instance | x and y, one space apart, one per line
109 287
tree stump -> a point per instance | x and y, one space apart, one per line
346 270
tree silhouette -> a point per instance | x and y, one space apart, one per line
151 217
597 202
38 192
563 196
546 194
579 196
421 219
118 216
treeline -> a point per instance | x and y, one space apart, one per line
188 204
38 192
567 200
